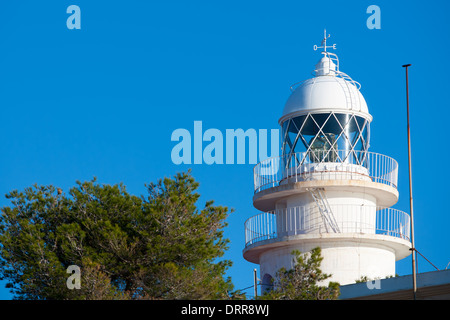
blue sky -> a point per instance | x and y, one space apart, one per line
104 100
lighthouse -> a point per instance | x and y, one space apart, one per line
327 189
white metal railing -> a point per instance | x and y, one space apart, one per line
325 165
306 220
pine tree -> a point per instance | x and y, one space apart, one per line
303 281
158 246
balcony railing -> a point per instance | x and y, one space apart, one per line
301 220
325 165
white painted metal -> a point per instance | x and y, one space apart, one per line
350 218
325 67
324 94
298 167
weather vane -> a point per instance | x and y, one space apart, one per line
324 43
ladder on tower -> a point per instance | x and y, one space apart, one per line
350 91
324 209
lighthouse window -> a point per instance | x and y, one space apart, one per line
326 137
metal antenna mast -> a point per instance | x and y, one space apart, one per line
413 248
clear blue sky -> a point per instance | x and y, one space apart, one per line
103 101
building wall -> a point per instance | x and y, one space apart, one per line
347 261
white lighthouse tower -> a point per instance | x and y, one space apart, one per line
326 189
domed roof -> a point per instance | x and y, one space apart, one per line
330 90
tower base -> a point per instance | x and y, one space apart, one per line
347 258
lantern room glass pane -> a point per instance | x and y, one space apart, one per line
327 137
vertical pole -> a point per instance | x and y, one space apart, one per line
413 248
255 283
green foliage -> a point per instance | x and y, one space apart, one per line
362 279
303 281
155 247
367 279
